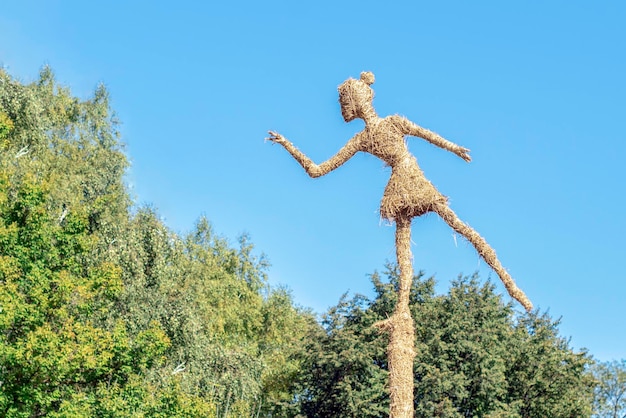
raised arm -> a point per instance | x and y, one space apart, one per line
410 128
309 166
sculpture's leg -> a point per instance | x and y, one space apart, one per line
405 261
486 252
401 352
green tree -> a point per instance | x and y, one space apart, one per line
610 393
64 348
70 144
475 357
52 342
343 373
6 125
546 377
103 310
233 340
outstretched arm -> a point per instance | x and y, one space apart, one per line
309 166
410 128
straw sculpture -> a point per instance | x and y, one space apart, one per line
407 195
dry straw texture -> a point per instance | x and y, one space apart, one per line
400 351
407 195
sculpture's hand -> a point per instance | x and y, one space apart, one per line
463 153
276 138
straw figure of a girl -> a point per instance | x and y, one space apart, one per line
407 195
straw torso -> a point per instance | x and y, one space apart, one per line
408 193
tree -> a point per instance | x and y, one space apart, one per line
234 341
103 310
475 357
343 370
53 342
62 207
610 393
547 378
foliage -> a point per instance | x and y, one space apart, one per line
343 371
103 310
475 358
610 393
52 343
234 340
6 125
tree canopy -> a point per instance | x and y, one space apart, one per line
103 310
610 392
475 357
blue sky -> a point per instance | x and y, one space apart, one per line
535 89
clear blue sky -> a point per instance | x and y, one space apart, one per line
536 90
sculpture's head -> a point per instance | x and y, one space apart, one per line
355 96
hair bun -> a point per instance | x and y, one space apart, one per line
367 77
